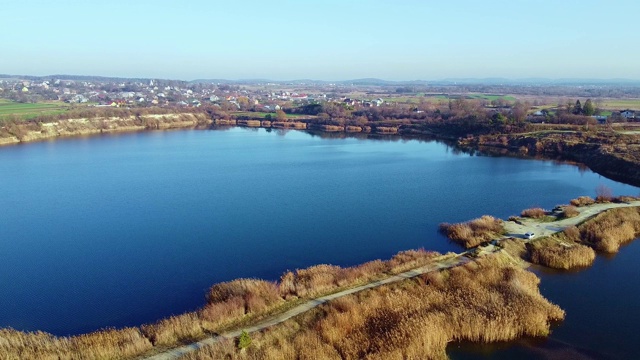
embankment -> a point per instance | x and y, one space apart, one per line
616 156
37 131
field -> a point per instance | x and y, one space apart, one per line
444 98
29 111
620 104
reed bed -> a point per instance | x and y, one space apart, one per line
582 201
569 212
483 301
103 344
560 255
611 229
475 232
534 213
228 303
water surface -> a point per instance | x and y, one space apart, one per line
123 230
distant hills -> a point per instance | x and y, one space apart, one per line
355 82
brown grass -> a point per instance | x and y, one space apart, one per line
475 232
534 213
104 344
229 303
569 212
582 201
612 228
483 301
560 255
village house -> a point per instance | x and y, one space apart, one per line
628 114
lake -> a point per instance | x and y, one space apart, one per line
125 229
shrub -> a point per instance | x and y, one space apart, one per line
569 212
534 213
582 201
474 232
244 340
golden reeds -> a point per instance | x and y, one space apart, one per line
475 232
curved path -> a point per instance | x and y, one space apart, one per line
513 229
277 319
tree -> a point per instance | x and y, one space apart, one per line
519 111
244 340
603 193
577 110
281 116
588 109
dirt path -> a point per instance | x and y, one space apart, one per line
513 229
178 352
542 229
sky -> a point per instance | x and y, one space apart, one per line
323 40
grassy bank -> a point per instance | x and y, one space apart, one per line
487 300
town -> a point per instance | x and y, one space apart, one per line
537 103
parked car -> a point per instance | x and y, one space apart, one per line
529 235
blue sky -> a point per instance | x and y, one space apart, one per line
329 40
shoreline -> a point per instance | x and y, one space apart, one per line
600 158
418 266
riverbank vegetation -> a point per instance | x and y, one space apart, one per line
561 251
228 304
611 229
487 300
475 232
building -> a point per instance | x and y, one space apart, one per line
628 114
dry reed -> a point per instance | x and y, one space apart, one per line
534 213
569 212
612 228
475 232
484 301
582 201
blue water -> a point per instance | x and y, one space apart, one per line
126 229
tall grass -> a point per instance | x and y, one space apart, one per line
484 301
569 212
557 254
475 232
104 344
534 213
612 228
582 201
228 303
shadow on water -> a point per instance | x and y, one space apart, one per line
524 349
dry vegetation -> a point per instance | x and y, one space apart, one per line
228 304
475 232
582 201
561 251
534 213
569 212
485 301
106 344
612 228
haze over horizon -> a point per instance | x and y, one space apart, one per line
323 40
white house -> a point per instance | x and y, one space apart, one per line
628 114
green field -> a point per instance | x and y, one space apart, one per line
29 111
620 104
442 98
491 97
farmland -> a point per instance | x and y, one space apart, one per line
30 110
